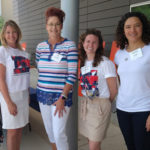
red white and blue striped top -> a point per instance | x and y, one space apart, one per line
54 75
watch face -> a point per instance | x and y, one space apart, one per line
64 98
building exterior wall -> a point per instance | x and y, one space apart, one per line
30 17
29 14
7 9
103 15
100 14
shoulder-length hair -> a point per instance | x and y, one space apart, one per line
12 24
120 36
99 52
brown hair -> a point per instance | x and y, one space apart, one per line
16 28
99 51
52 11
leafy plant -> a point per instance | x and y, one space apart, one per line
145 9
1 22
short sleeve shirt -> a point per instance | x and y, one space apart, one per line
134 89
93 83
17 68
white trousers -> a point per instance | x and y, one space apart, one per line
55 126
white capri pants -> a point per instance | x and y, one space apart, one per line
55 126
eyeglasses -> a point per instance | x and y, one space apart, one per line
54 25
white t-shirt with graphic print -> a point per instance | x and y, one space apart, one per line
17 68
94 82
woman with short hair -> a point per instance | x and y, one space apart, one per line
57 65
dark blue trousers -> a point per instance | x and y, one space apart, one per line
133 129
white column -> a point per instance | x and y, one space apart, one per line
70 31
71 23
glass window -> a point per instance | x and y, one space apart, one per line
143 7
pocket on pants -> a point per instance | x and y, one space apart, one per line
98 113
104 107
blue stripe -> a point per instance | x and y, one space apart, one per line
53 89
52 77
49 67
51 82
72 60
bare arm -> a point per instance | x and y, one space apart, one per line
67 88
112 85
72 58
4 90
118 78
148 124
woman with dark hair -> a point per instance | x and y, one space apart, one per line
99 88
57 60
133 62
14 84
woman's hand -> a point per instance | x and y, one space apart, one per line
12 108
59 107
148 124
4 90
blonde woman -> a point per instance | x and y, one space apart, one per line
14 84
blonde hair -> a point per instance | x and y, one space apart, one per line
12 24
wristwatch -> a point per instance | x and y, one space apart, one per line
63 97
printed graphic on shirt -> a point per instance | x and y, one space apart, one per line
89 83
22 64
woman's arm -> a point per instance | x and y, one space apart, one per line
4 90
60 102
67 88
148 124
118 78
72 60
112 85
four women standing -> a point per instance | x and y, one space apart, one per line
57 65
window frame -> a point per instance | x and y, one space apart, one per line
139 4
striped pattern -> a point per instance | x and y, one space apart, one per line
54 75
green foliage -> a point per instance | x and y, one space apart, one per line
1 22
145 9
